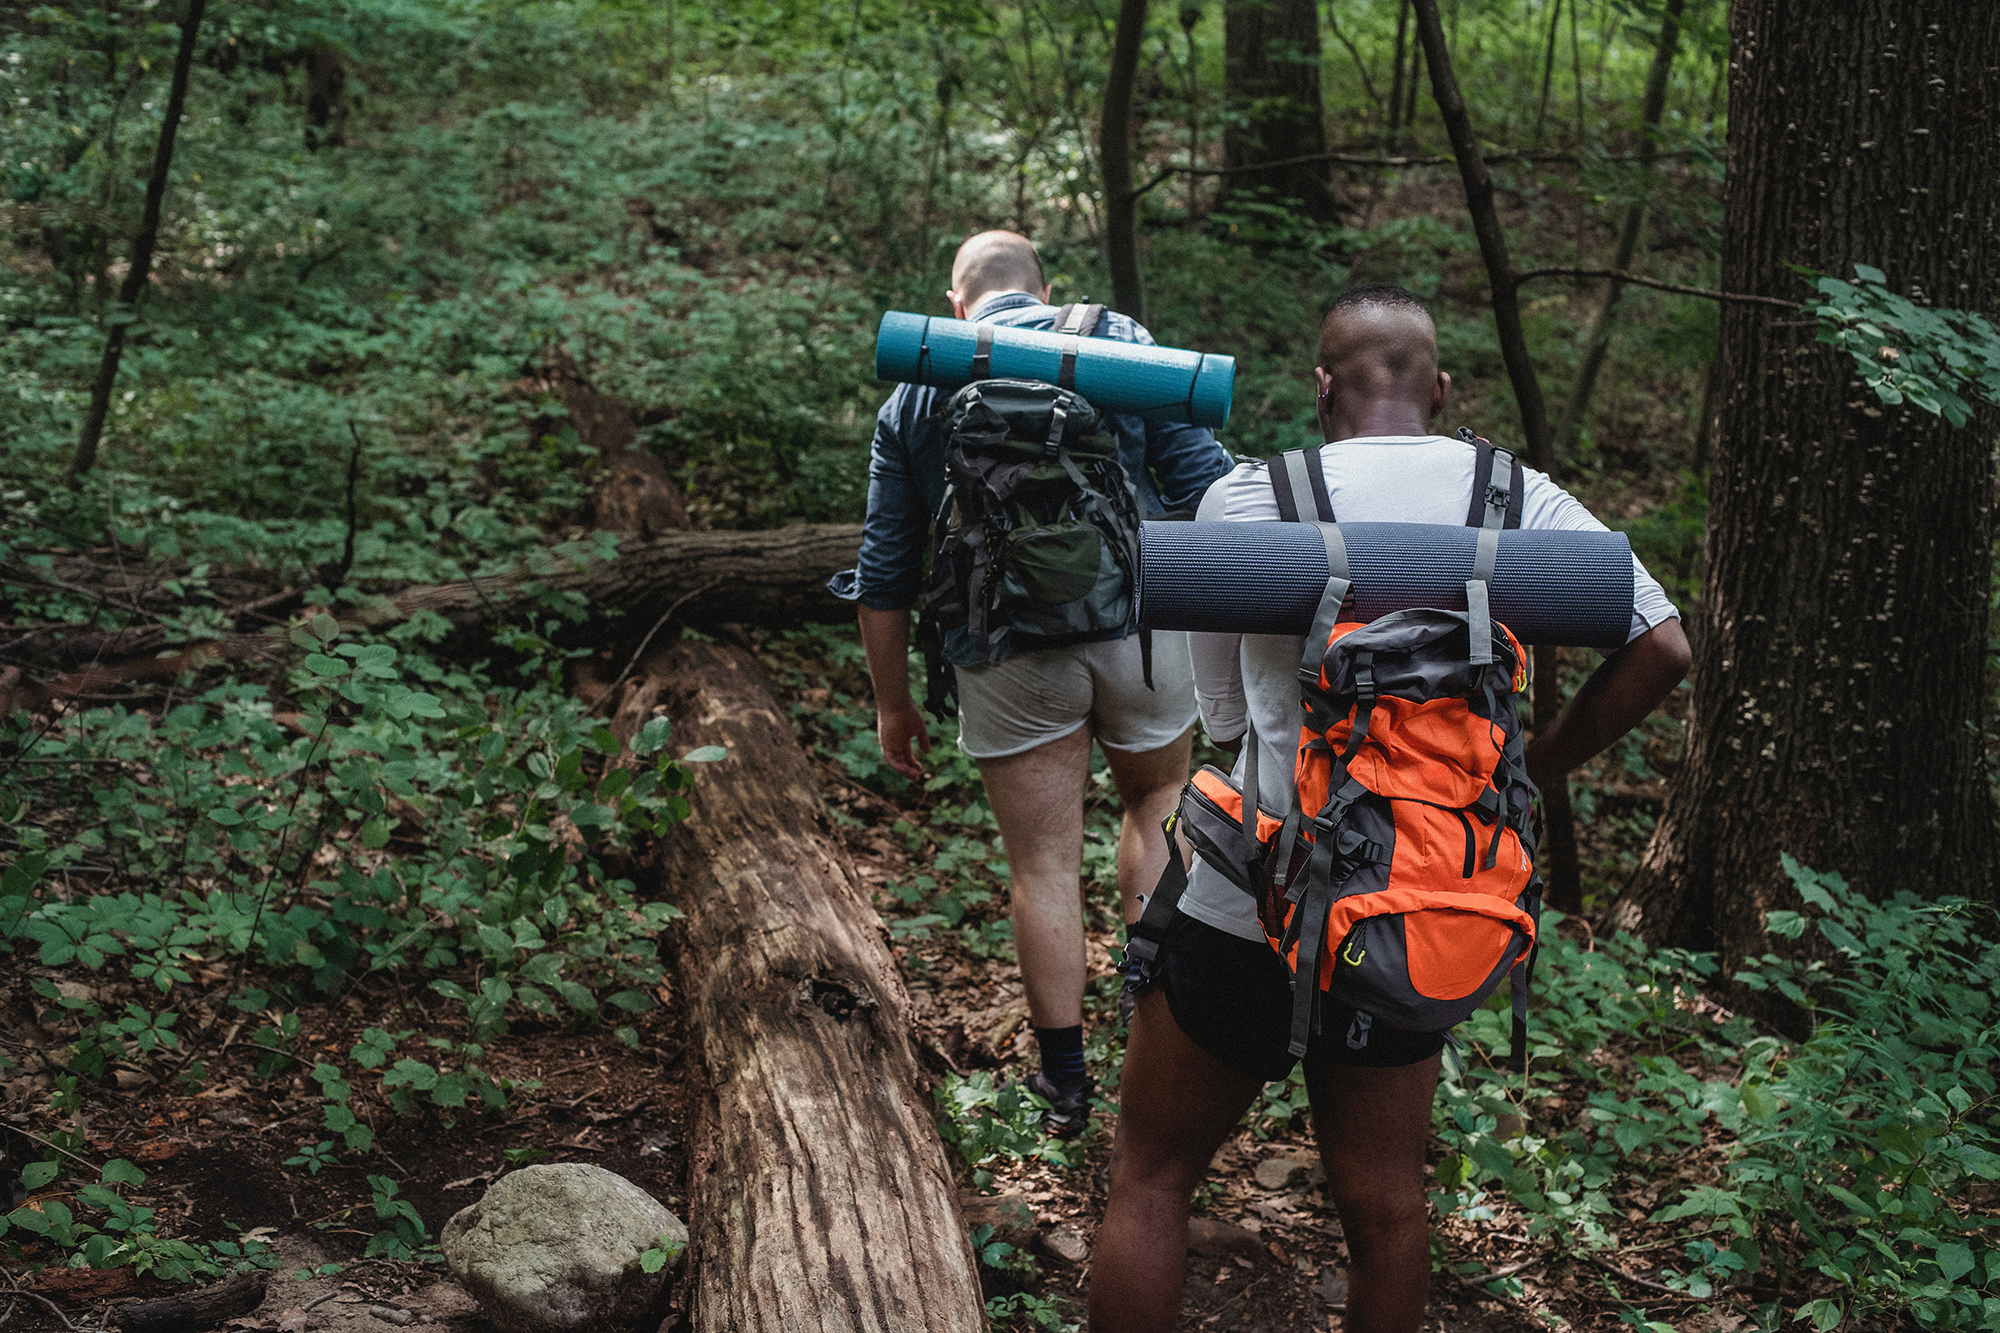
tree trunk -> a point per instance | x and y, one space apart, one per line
1598 343
825 1200
1565 878
1842 636
142 251
1114 146
1271 58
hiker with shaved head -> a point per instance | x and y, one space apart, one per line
1217 1014
1028 718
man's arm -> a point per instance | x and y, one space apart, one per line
885 636
1616 698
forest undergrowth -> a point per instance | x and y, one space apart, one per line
316 942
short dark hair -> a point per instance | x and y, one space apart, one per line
1380 296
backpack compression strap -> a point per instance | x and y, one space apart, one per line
982 351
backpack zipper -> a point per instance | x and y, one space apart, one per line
1471 847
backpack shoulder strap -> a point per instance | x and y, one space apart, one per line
1497 487
1298 480
1074 321
1498 483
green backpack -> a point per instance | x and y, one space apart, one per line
1036 543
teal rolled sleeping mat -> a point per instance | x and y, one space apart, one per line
1158 383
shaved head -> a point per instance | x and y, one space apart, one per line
1379 340
996 261
1378 364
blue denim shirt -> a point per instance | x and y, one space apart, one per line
1171 465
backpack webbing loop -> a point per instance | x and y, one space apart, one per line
1057 420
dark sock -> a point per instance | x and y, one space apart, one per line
1062 1052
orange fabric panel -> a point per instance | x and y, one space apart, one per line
1439 750
1230 800
1457 955
1451 953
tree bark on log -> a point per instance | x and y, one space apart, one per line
189 1310
774 578
827 1201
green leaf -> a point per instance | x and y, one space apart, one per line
225 816
326 627
118 1171
37 1174
653 736
1869 274
705 754
1954 1260
322 665
375 833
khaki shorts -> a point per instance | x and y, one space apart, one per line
1039 697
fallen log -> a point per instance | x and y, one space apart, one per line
189 1310
825 1200
774 578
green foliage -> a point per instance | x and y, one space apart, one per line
405 1236
1906 352
999 1254
1857 1160
95 1225
1023 1309
664 1250
987 1121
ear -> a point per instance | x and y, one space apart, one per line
1046 289
1440 395
1323 405
957 304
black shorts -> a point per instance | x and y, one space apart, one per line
1233 998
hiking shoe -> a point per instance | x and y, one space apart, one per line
1069 1105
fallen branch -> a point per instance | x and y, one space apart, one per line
1346 159
1635 280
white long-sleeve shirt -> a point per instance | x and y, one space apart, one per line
1254 677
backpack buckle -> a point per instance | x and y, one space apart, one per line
1497 498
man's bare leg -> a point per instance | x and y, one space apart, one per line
1149 785
1372 1125
1176 1104
1037 797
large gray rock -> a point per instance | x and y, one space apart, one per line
552 1249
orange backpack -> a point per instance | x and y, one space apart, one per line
1399 878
